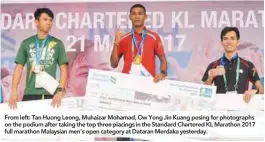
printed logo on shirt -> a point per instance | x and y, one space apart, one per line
31 45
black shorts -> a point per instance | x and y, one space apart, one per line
36 97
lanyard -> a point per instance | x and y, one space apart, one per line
39 49
237 74
140 48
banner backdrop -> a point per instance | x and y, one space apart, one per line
190 32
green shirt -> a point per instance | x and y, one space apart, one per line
56 54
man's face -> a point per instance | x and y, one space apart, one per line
44 23
137 16
230 42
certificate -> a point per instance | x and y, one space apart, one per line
118 91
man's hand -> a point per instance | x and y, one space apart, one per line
114 58
57 99
12 102
118 36
216 72
159 77
212 73
248 94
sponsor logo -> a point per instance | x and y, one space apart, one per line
206 92
113 79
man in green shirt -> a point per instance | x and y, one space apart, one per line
41 52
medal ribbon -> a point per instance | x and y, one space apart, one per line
237 73
39 49
140 49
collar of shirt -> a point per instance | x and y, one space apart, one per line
140 34
224 60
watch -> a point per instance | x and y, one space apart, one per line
60 89
164 72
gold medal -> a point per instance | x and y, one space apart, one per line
137 59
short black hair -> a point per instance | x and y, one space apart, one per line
229 29
39 11
138 5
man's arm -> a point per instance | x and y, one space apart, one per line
249 93
210 78
163 63
254 77
259 87
63 63
159 51
12 102
114 58
163 69
62 83
209 75
63 75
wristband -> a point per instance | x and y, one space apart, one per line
13 94
60 89
164 72
116 43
